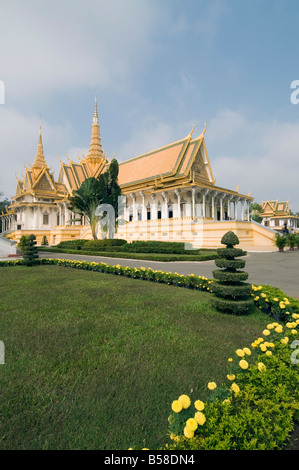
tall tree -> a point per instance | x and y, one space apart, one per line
4 203
256 211
86 200
96 191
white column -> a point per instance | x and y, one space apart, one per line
193 202
221 208
204 204
178 210
242 210
228 207
143 209
165 199
65 214
213 207
153 207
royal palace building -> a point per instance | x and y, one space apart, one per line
170 194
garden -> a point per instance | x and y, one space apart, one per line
130 360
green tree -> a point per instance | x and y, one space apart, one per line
23 243
96 191
31 252
4 203
256 212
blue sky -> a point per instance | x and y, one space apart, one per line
156 67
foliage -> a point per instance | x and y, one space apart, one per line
22 243
72 244
291 240
257 406
232 295
94 192
107 244
44 241
4 204
30 253
280 241
256 212
86 200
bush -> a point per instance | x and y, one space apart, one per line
254 410
280 241
31 252
23 243
72 244
157 247
105 245
44 241
232 295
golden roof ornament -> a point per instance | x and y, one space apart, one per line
95 154
40 161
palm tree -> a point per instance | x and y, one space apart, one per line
96 191
86 200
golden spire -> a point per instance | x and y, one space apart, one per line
40 161
95 154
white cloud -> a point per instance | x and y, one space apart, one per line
18 145
64 45
259 156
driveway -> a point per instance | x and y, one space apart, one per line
275 269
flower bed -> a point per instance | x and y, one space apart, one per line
256 408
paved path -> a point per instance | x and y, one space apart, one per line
275 269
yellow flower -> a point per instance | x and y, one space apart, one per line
278 329
282 305
235 388
185 401
199 405
275 299
294 332
231 376
243 364
240 352
263 347
230 359
270 326
247 351
261 367
191 424
176 406
173 437
200 418
266 332
187 433
284 340
268 353
263 295
256 298
212 385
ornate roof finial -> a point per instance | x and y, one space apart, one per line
95 154
40 161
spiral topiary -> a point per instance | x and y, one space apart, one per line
231 293
31 252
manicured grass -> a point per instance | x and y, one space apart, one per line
93 361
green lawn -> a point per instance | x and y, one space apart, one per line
93 361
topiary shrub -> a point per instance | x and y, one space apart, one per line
231 293
31 252
44 241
